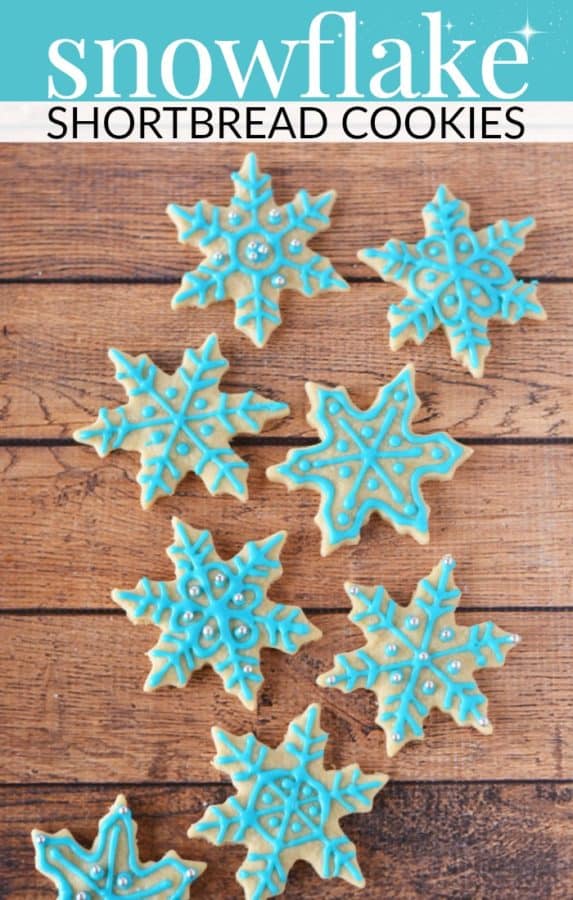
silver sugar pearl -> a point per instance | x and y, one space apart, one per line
413 621
396 677
191 873
241 630
295 244
423 655
41 839
353 589
208 631
252 245
278 281
391 649
123 810
81 895
448 560
218 257
515 638
429 685
188 615
274 213
194 590
455 665
122 881
96 872
483 722
219 578
238 598
263 249
330 679
396 737
247 668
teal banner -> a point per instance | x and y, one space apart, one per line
292 51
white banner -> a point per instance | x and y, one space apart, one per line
336 121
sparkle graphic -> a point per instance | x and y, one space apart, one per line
527 32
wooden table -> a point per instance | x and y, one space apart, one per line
89 260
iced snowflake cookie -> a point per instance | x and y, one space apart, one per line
457 279
418 657
216 613
181 423
254 250
111 869
287 807
369 461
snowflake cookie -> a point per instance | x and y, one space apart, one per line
254 250
111 869
181 423
369 461
216 613
287 806
457 279
418 657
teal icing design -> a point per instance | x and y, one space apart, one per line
216 613
111 869
369 461
181 423
287 806
254 249
457 279
418 657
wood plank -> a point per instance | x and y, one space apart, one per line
72 703
433 841
92 210
56 374
73 529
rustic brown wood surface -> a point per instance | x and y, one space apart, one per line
464 816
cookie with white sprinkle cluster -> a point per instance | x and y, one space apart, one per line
255 249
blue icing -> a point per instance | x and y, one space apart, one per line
386 459
216 613
264 245
287 805
416 652
112 866
186 426
456 278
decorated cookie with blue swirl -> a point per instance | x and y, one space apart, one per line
181 423
418 658
287 807
254 250
456 279
111 869
216 613
369 461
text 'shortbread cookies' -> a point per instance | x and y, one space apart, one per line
112 867
417 657
254 250
216 613
369 461
457 279
287 807
181 423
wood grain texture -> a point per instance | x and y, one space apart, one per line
431 841
74 687
97 210
56 374
73 529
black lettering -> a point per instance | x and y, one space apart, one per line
52 117
517 122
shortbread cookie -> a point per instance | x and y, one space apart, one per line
287 807
216 613
418 657
254 250
181 423
369 461
456 278
112 867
